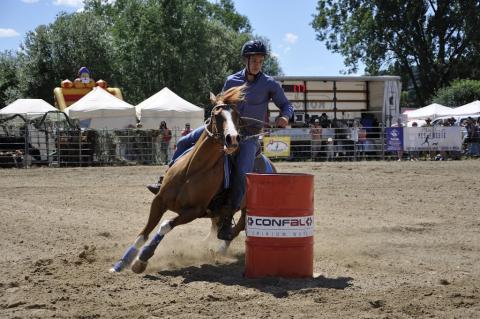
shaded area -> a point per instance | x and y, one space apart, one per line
232 275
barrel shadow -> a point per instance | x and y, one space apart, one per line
232 274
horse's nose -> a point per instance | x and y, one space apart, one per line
231 140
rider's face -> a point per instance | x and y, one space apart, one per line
255 63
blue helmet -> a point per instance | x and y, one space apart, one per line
253 47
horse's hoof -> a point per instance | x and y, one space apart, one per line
118 267
139 266
225 234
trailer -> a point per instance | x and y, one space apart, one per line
341 97
337 101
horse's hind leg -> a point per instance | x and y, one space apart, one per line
157 209
240 224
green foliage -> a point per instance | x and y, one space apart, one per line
8 78
459 93
140 46
432 42
57 51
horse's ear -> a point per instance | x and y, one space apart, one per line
213 98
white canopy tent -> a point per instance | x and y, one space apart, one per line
171 108
100 109
30 108
472 108
431 111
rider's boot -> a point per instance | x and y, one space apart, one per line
155 187
225 232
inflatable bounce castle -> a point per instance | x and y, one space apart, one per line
70 93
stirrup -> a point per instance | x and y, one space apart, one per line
155 187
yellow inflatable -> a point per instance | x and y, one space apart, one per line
70 92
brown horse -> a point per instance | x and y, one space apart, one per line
191 184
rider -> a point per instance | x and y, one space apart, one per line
261 88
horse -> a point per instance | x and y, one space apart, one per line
190 185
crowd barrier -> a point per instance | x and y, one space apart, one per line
24 147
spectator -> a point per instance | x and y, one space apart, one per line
414 154
18 158
428 123
324 120
186 130
165 137
356 133
316 134
400 151
473 136
330 149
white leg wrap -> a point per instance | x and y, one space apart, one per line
139 242
165 227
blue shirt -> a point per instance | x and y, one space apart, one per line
257 95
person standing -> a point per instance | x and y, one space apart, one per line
316 134
165 137
400 125
186 130
260 90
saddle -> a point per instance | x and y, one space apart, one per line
261 165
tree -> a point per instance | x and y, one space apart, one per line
55 52
431 41
8 78
189 46
36 72
140 46
459 93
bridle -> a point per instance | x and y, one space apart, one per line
216 133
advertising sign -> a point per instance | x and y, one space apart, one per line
276 146
433 138
279 227
394 138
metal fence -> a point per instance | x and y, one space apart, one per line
60 147
73 147
336 144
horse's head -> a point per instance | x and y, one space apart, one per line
225 117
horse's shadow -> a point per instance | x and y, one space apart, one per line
232 274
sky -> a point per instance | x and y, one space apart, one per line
285 23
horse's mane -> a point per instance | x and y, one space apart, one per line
233 95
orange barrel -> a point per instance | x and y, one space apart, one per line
279 225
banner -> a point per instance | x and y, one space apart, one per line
433 138
276 146
394 138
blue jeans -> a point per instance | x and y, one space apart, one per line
244 161
186 142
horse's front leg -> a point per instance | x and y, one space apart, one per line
185 216
157 209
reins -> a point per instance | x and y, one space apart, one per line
215 134
247 137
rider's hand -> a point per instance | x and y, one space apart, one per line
281 121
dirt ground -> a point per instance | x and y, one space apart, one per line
392 240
